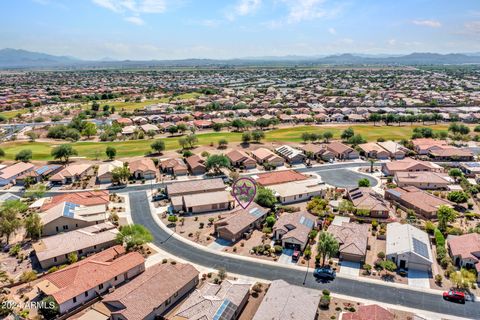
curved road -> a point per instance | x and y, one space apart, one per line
141 214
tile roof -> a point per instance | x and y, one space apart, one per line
142 165
296 225
238 155
367 198
195 186
85 198
195 162
352 237
465 245
15 169
409 163
74 211
241 218
418 198
206 198
422 177
71 171
277 177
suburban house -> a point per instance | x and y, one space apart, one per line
367 199
85 280
195 186
10 173
38 174
408 247
174 166
71 173
342 151
223 301
84 198
277 177
418 200
370 312
291 155
143 169
240 159
373 150
104 173
203 202
8 197
395 149
196 165
241 222
452 154
265 156
353 240
303 190
287 301
423 180
409 165
68 216
465 251
152 293
54 250
471 169
424 146
317 151
292 229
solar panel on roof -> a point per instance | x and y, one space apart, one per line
420 248
256 212
42 170
68 209
226 311
306 222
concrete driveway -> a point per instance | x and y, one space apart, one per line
286 257
419 279
349 268
219 244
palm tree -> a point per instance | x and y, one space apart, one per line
327 246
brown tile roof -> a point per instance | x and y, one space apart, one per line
151 289
419 198
300 230
241 218
71 171
90 272
195 162
15 169
451 152
277 177
142 165
238 155
195 186
422 177
263 153
371 312
86 198
409 163
353 237
465 245
366 198
314 148
338 147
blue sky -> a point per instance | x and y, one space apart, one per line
177 29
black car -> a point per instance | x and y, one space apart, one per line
159 197
324 273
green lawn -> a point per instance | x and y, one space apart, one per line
91 150
11 114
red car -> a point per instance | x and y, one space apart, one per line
296 255
453 295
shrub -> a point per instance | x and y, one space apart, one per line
326 292
278 249
430 227
441 253
202 225
438 278
172 218
439 238
325 302
381 255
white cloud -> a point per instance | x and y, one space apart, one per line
332 31
427 23
135 20
392 42
246 7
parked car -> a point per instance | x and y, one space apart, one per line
402 272
453 295
324 273
295 255
159 197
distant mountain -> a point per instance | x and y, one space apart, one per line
22 59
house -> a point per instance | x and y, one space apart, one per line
204 202
149 127
370 312
287 301
68 216
195 186
105 169
84 198
38 174
296 191
418 200
471 169
409 165
465 251
241 159
124 121
423 180
129 130
196 165
223 301
353 240
408 247
10 173
373 150
342 151
241 221
71 173
85 280
152 293
292 229
366 199
424 146
8 197
54 250
174 166
143 169
278 177
291 155
395 150
265 156
452 154
317 151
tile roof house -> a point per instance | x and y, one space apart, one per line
367 199
465 251
104 173
71 173
174 166
452 154
84 198
353 240
418 200
215 301
319 151
263 155
424 146
291 155
296 191
204 202
241 221
54 250
143 169
39 173
287 301
195 186
423 180
277 177
241 159
370 312
395 150
152 293
408 247
10 173
342 151
293 229
82 281
196 164
409 165
373 150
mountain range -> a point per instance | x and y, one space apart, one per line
23 59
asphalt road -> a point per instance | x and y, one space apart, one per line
140 210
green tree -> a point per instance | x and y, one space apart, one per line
172 130
182 127
265 197
133 235
327 136
216 162
9 221
158 146
2 153
24 155
327 246
458 196
32 135
455 173
246 137
120 174
463 278
258 135
364 182
36 192
111 152
305 136
222 143
445 214
191 140
238 124
347 134
270 221
375 117
63 152
90 129
33 226
49 308
72 257
345 206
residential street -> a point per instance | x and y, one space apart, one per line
140 211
